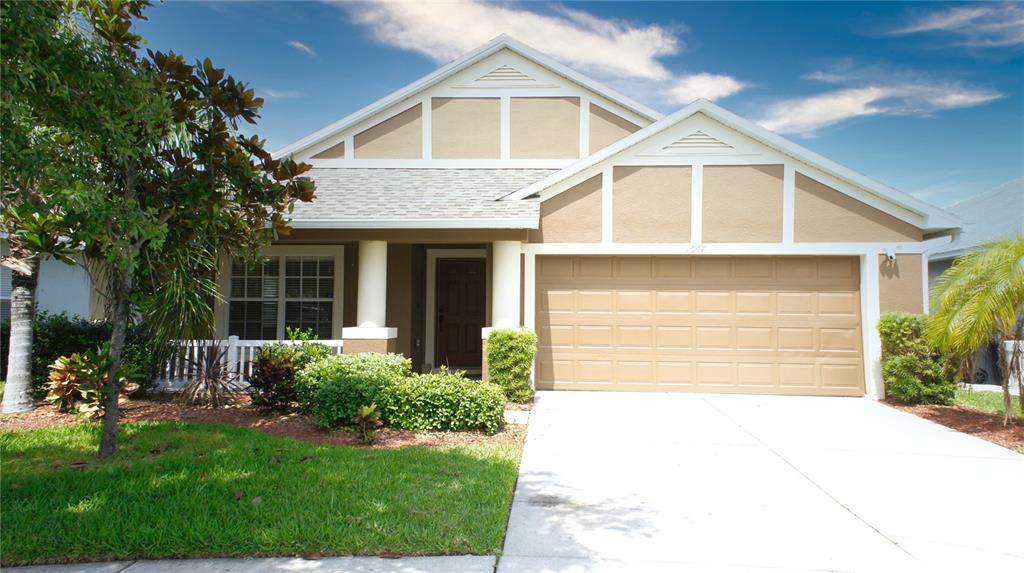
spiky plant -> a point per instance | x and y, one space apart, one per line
980 299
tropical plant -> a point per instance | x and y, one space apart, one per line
980 299
212 381
78 382
510 354
272 382
367 423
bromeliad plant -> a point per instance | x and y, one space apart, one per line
78 382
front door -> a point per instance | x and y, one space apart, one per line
461 299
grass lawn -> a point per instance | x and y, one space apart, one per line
190 489
991 402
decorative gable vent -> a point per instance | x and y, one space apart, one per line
698 141
505 74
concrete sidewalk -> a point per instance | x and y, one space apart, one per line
446 564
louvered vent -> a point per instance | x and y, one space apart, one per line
505 74
698 140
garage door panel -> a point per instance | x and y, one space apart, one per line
741 324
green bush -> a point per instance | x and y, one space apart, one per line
914 371
57 335
509 360
332 389
443 401
272 383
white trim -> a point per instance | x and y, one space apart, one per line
869 315
506 131
430 308
494 46
697 203
788 202
479 223
848 249
584 126
441 163
369 333
933 216
530 290
222 310
607 205
426 120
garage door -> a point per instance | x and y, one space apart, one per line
768 325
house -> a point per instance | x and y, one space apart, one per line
62 288
690 252
991 216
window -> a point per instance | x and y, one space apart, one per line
257 299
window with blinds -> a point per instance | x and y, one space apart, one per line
260 309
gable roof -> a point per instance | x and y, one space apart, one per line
935 219
492 47
422 198
991 216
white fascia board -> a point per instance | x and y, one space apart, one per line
450 69
434 223
935 218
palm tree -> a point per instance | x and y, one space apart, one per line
980 299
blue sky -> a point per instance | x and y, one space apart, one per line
926 97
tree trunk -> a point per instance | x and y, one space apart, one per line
1005 368
18 389
120 288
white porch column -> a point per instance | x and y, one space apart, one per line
505 288
371 334
371 300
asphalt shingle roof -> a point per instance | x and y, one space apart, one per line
386 194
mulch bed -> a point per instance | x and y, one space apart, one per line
290 425
984 425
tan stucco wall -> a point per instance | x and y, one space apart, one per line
545 128
823 214
742 204
399 295
398 137
465 128
606 128
372 345
900 286
572 216
651 204
336 151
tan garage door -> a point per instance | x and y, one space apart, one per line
770 325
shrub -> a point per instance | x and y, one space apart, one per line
443 401
913 370
77 382
57 335
333 389
272 383
509 360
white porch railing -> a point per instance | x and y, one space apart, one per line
237 355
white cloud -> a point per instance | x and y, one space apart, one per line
867 91
303 48
269 94
445 31
707 86
986 26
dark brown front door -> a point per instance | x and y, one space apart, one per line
461 297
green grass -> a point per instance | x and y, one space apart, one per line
171 492
991 402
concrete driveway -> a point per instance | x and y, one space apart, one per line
691 482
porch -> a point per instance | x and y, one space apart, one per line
427 294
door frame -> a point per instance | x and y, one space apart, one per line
430 320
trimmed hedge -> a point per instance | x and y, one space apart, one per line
332 389
913 370
510 355
443 401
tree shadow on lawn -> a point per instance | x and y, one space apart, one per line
179 490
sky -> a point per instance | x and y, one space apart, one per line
925 97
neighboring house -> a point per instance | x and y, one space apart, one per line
62 288
993 215
691 252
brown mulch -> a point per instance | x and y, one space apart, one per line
242 415
984 425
